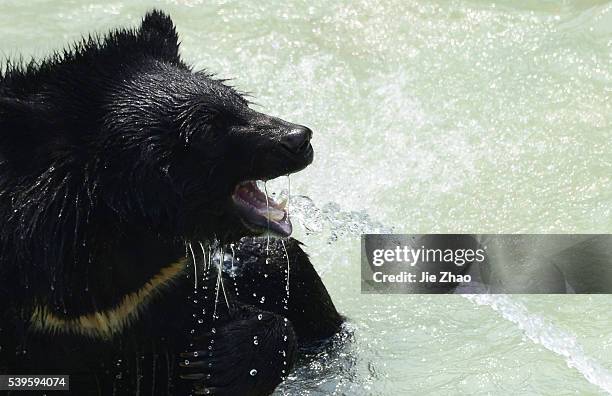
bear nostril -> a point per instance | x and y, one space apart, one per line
297 139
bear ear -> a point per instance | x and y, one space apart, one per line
159 35
157 23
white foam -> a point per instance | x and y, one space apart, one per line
544 333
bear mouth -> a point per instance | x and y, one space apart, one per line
259 212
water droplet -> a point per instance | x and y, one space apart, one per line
195 354
285 338
253 372
200 321
187 362
262 300
259 317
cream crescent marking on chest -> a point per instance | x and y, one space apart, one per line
104 324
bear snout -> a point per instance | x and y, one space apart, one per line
297 140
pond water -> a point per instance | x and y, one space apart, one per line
429 116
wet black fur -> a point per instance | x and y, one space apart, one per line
113 154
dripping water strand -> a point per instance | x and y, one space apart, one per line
288 195
220 271
209 257
153 372
216 294
288 272
138 375
220 285
195 267
267 217
234 270
204 256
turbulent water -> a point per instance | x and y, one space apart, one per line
429 116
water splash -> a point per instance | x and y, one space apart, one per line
546 334
333 219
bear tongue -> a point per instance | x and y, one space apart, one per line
259 210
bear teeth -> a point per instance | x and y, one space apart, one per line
274 215
252 195
259 211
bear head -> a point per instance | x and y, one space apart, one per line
119 129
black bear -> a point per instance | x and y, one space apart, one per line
121 170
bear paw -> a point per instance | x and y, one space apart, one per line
248 355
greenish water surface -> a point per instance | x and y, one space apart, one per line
429 116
